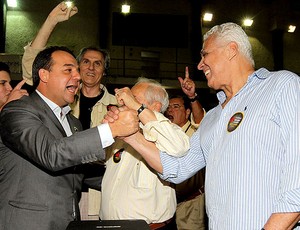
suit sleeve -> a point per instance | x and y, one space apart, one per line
34 135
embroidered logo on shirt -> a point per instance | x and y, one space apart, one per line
235 121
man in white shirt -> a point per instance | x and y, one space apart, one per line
130 189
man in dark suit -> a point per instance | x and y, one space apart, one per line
40 162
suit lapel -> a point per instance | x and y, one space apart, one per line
44 108
74 127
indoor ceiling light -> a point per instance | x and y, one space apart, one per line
12 3
125 9
291 29
248 22
207 17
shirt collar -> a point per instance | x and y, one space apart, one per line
57 110
259 74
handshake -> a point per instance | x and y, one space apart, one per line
122 121
135 105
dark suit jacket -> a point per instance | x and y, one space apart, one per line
39 178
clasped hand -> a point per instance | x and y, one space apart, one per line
122 121
125 97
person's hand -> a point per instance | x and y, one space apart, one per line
188 86
126 124
62 13
125 97
111 115
17 92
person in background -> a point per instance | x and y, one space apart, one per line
194 110
40 179
7 93
249 142
130 189
91 102
190 212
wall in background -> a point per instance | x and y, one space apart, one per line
93 26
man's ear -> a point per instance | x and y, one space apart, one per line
156 106
232 50
44 75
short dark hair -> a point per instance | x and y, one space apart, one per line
4 67
104 52
44 60
186 102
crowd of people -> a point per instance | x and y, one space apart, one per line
72 151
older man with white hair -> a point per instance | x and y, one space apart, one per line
249 142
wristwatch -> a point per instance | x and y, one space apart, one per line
141 109
194 98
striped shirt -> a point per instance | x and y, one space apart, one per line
251 150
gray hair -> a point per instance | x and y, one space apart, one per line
155 92
104 52
228 32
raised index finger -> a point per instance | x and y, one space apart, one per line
187 75
19 85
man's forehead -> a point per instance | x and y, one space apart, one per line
210 41
93 54
63 58
4 75
140 86
138 90
62 54
176 101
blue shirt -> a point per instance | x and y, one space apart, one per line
251 150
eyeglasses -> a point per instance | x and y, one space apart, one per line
117 155
174 106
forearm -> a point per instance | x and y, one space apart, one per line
282 221
31 50
42 37
146 116
147 150
197 111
